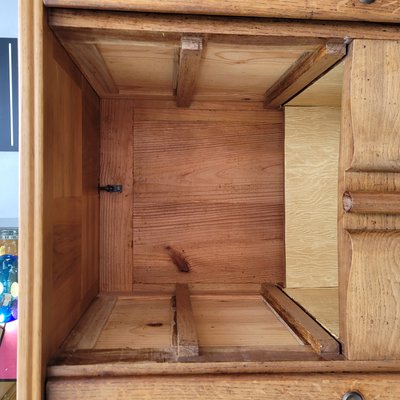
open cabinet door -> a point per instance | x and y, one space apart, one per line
369 185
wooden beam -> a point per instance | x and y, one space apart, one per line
306 327
188 344
90 24
302 9
91 63
188 69
308 68
233 387
371 203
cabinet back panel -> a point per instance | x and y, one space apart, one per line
207 196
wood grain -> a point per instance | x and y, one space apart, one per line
375 92
372 202
211 189
255 387
311 174
127 24
240 321
8 391
92 64
54 228
188 344
116 235
307 69
299 321
138 324
373 321
298 9
188 69
220 367
87 331
368 243
321 303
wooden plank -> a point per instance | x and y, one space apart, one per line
138 324
116 258
240 321
303 72
299 9
368 245
188 69
219 202
321 303
371 202
88 330
232 387
91 63
147 24
222 367
188 344
299 321
312 137
127 25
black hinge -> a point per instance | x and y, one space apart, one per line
111 188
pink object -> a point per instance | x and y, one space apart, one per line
8 352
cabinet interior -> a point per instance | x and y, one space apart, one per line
222 245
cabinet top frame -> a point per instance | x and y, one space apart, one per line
349 10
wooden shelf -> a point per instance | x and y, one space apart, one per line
199 327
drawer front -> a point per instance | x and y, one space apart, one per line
235 387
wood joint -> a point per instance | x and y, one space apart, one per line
188 344
302 324
307 69
188 68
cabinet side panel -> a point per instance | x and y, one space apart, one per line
70 203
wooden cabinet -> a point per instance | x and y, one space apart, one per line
209 203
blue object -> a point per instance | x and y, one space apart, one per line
8 288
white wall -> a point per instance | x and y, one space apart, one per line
8 160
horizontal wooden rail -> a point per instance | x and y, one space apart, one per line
371 203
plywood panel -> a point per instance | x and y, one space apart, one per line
116 208
321 303
326 92
311 165
210 189
241 321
